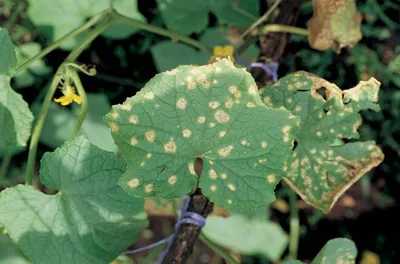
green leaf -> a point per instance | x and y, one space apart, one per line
188 17
321 169
90 220
15 116
247 236
217 36
9 253
26 77
293 262
60 123
7 54
169 55
338 250
211 112
58 17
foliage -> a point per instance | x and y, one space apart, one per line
201 125
15 116
90 219
213 113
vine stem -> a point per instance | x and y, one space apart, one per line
217 249
84 108
283 28
261 19
294 225
49 96
4 166
161 31
57 43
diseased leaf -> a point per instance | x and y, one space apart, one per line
211 112
188 17
247 236
323 167
15 116
90 220
58 17
335 24
338 250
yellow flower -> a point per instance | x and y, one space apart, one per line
69 96
225 51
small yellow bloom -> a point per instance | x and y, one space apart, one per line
225 51
69 96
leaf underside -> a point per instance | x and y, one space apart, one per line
211 112
323 167
90 220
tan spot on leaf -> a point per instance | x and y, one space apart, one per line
224 152
115 115
222 133
186 133
250 105
148 188
133 119
126 107
224 176
221 116
113 126
133 183
229 103
181 103
201 119
170 147
150 136
213 188
271 178
231 187
212 174
149 96
213 105
133 141
264 144
172 180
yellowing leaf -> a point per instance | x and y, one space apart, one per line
335 24
323 167
369 257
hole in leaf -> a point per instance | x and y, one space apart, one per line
198 166
294 145
322 91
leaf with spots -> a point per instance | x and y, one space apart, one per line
90 220
213 113
335 24
323 166
338 250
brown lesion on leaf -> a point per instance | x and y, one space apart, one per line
335 24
